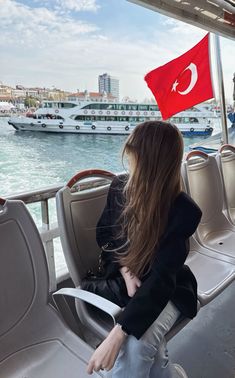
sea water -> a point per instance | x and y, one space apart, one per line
36 160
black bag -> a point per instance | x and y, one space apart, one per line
105 284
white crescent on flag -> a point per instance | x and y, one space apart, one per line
194 76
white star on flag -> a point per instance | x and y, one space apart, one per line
174 86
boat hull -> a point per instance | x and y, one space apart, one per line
54 126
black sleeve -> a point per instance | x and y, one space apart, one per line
155 292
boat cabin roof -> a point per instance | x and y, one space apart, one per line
217 16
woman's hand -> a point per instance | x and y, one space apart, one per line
132 282
105 355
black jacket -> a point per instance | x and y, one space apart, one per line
169 278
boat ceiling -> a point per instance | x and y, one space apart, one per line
217 16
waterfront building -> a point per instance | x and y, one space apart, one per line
109 84
5 93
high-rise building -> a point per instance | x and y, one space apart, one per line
109 85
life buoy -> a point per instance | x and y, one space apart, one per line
152 113
138 113
130 113
123 113
61 126
93 127
211 129
85 111
109 128
100 112
127 128
77 127
43 125
145 113
93 112
108 112
192 129
115 112
56 111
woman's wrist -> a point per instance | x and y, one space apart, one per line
119 333
124 271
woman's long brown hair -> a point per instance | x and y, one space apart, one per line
153 185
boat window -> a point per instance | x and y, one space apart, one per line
153 108
193 120
175 120
193 109
121 107
92 106
110 119
132 107
143 107
66 105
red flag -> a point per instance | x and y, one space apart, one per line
184 81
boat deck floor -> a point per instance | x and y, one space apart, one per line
206 346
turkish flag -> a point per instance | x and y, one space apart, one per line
184 81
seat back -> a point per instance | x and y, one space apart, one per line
24 279
78 213
226 161
204 184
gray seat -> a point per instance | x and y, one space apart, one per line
34 340
212 274
203 180
78 213
226 162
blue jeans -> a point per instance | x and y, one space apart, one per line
148 357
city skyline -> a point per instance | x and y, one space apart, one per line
68 44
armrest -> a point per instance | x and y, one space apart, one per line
103 304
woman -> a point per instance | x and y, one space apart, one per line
149 215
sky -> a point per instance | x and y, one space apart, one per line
67 43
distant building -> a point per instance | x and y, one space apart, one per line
91 96
109 84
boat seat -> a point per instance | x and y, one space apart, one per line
212 274
78 212
34 340
204 184
226 162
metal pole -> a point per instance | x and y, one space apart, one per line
234 92
221 90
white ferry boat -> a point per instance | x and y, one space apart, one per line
86 117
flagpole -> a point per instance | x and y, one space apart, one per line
224 139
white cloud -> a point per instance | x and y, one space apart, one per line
37 27
78 5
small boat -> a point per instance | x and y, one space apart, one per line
214 143
86 117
